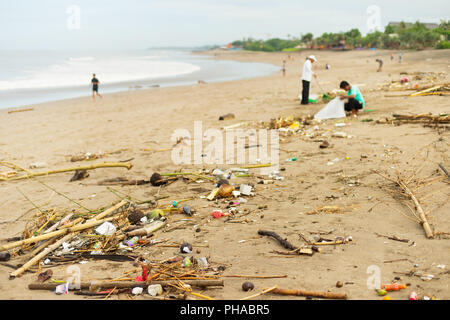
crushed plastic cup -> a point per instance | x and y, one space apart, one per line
202 262
137 291
62 288
106 229
245 189
236 193
155 290
242 200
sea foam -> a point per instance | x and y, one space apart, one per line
77 71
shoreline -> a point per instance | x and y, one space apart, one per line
183 80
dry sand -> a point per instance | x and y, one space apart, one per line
131 121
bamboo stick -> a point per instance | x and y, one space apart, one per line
425 91
83 226
90 167
257 166
261 293
41 255
306 293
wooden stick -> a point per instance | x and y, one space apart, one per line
129 284
306 293
41 255
90 167
21 110
445 170
424 222
261 293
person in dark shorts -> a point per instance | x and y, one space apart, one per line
95 83
355 99
380 64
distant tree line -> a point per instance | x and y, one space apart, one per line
403 36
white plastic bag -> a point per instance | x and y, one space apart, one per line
106 229
334 109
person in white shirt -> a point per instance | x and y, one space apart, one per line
306 78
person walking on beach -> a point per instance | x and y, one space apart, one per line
306 78
284 68
400 57
380 64
95 83
355 99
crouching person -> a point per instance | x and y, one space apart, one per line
355 99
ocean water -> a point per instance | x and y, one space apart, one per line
28 78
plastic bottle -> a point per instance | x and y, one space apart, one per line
133 241
393 287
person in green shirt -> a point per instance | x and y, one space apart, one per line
355 99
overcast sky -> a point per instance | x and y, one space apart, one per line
139 24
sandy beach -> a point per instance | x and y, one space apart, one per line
136 124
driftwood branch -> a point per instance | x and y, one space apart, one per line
282 241
128 284
422 216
